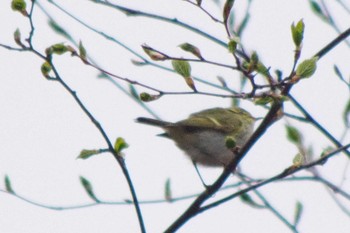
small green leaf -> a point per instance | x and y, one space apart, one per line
298 160
17 37
298 33
230 142
8 185
59 49
232 44
46 69
167 190
192 49
85 154
262 69
82 52
293 134
307 68
88 188
227 9
20 6
182 67
298 212
145 97
120 145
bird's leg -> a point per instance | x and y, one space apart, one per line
199 174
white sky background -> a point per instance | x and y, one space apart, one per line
43 129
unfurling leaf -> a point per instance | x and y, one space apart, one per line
298 33
183 68
298 212
20 6
120 144
263 100
8 185
17 37
298 160
88 188
85 154
153 54
145 97
192 49
307 68
293 134
232 44
227 9
167 191
46 69
82 52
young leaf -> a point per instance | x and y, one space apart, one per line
17 37
307 68
298 212
182 67
145 97
120 144
298 160
232 44
298 33
8 185
88 188
20 6
45 69
167 190
85 154
293 134
316 8
82 52
192 49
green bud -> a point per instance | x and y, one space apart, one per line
298 33
232 44
263 100
20 6
167 190
192 49
298 212
307 68
298 160
17 37
8 185
46 69
144 96
88 188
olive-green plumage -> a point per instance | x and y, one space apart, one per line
202 136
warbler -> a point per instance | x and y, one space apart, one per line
203 135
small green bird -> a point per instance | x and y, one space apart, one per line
203 135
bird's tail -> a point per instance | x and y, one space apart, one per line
154 122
